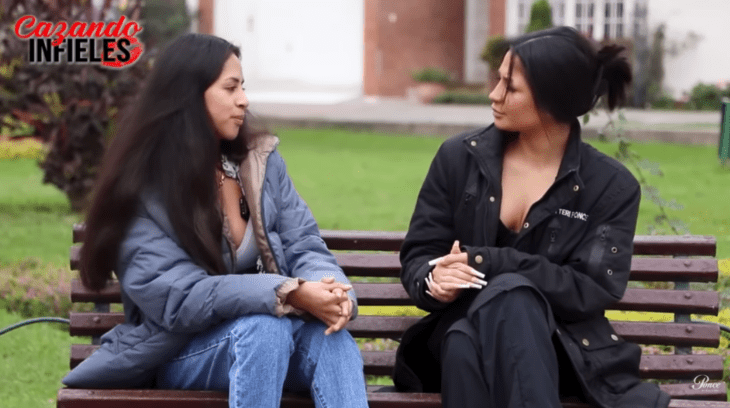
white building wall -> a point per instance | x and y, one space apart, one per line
709 60
295 51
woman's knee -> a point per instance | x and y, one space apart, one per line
457 350
263 332
517 306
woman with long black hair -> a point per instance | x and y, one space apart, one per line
225 280
521 237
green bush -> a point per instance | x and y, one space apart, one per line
494 51
462 97
540 16
431 74
21 149
705 97
663 102
34 290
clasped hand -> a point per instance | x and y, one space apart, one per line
326 300
451 275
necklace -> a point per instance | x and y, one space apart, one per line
242 205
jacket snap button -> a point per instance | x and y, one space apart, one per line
614 250
614 337
586 342
473 142
610 272
576 188
491 199
527 225
478 259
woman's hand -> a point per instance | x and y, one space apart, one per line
453 274
326 300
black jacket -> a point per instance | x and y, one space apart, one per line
575 247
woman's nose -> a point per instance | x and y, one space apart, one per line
242 100
497 93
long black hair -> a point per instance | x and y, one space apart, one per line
165 145
567 74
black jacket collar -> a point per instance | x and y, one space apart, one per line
488 148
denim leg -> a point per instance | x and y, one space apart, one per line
248 356
330 367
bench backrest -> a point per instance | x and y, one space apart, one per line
370 259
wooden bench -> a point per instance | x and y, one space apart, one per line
676 260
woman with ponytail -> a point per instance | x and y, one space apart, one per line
225 280
522 235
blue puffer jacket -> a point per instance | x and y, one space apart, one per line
168 299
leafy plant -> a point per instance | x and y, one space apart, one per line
494 51
463 97
163 20
662 221
431 74
34 290
22 149
655 72
541 16
707 97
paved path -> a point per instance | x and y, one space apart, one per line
403 116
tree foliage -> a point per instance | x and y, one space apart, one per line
541 16
655 73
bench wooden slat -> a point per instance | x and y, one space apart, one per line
673 334
663 259
642 269
652 366
80 398
712 391
393 294
692 245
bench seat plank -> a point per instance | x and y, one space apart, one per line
693 245
674 334
642 269
393 294
652 366
82 398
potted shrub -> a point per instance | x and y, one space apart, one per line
493 53
431 82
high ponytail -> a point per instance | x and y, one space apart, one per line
615 76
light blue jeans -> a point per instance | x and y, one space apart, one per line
255 357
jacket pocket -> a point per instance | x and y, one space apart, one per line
609 359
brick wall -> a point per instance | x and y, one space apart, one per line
404 35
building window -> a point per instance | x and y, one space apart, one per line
584 12
614 27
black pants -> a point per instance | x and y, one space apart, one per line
502 355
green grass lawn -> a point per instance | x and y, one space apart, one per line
33 359
351 180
